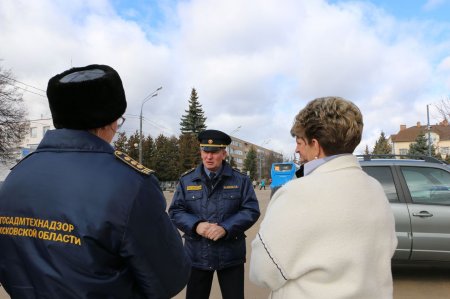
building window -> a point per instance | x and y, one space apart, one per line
238 160
403 151
45 129
236 143
33 132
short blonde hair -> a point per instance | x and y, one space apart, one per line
336 123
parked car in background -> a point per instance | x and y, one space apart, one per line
418 189
419 193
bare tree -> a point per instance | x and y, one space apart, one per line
13 125
443 108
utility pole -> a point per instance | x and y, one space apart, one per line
151 95
429 129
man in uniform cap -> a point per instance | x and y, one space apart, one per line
214 205
80 220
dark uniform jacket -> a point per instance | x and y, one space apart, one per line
76 221
231 203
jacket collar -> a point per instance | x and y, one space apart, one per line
73 140
199 173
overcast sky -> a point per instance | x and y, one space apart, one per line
254 63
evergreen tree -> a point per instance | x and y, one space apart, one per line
166 158
194 119
250 163
121 142
174 168
148 152
133 146
420 146
189 152
366 151
382 146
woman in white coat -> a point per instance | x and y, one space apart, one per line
331 233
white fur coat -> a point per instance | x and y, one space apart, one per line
330 234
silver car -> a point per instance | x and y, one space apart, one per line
419 194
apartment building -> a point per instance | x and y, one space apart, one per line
239 148
38 127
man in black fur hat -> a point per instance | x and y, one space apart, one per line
80 220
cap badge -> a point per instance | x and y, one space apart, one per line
210 141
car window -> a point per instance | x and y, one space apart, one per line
384 175
427 185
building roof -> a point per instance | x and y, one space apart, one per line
410 134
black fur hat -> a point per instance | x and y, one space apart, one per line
86 97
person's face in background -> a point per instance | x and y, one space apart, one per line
213 160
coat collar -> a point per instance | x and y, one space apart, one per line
340 162
199 173
73 140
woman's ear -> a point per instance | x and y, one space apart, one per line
318 151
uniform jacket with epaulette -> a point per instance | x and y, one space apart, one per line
78 221
231 203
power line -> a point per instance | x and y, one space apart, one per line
8 78
23 88
153 123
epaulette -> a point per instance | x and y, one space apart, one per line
187 171
133 163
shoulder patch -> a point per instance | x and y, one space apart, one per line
187 172
133 163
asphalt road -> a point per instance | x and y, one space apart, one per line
409 283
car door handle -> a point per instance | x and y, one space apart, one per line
423 214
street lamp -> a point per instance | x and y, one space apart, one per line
151 95
235 130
